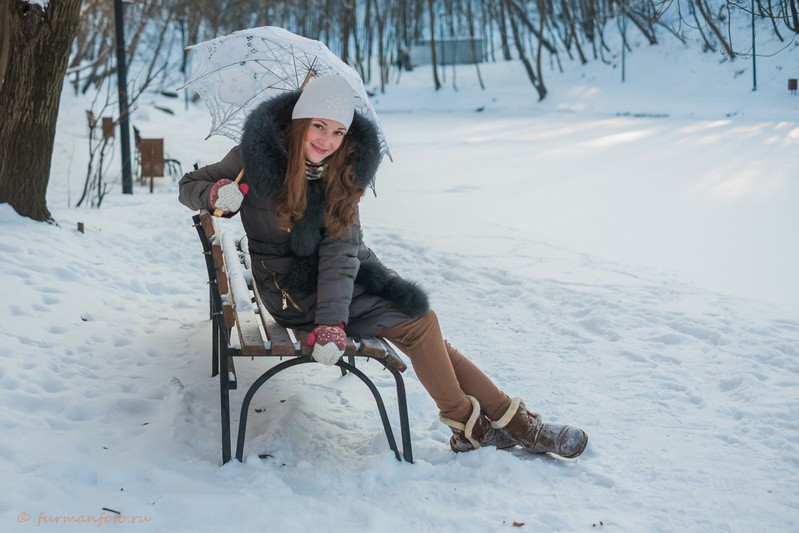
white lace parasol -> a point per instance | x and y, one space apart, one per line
235 73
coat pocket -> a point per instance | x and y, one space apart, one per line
286 298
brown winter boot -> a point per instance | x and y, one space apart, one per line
532 434
475 432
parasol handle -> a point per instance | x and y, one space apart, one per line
311 74
219 212
241 175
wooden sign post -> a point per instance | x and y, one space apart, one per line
152 159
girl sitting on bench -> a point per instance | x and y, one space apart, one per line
307 159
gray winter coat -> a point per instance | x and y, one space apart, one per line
306 277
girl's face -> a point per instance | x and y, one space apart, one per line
323 138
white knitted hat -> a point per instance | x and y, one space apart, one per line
329 97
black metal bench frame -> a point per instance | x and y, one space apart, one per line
224 318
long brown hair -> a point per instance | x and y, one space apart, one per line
341 192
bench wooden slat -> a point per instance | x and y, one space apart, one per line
278 335
379 349
222 282
216 253
252 343
371 347
230 315
208 226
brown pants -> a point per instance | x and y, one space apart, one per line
447 374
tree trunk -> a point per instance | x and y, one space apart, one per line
503 32
540 87
431 12
713 28
39 43
793 21
475 56
348 14
5 39
381 52
531 74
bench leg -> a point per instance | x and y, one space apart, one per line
245 406
392 443
405 426
350 360
224 402
214 348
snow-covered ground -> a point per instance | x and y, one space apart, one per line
620 255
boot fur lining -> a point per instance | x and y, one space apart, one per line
468 427
472 421
452 423
506 418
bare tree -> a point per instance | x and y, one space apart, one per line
476 57
34 50
432 14
100 144
714 28
791 14
533 73
152 28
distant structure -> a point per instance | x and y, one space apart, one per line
452 51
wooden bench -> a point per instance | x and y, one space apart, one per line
242 326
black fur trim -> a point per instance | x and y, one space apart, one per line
306 234
406 295
263 149
373 276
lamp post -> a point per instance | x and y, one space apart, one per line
122 86
754 53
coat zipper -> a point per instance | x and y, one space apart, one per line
286 297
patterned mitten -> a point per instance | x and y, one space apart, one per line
227 196
329 343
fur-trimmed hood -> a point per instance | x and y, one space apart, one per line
264 152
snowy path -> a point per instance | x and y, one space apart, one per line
689 398
681 386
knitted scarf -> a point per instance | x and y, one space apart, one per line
315 171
